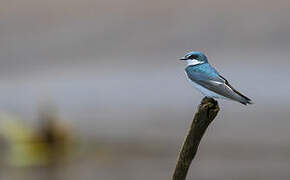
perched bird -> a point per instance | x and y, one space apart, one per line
208 81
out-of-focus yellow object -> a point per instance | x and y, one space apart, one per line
28 146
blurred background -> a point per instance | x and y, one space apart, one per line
94 90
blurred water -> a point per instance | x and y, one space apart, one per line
124 99
156 161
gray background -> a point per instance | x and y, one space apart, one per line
111 68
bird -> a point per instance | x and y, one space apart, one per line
208 81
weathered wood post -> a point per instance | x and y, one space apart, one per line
205 114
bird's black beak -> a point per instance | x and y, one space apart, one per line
183 58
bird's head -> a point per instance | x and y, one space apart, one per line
194 58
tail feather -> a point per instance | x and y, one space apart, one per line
246 100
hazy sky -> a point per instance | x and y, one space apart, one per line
59 33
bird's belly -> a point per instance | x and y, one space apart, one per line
205 91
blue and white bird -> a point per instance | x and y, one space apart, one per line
208 81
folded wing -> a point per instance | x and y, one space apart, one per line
217 84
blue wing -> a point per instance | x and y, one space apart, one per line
208 77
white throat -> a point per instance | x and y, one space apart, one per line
193 62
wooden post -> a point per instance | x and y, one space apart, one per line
205 114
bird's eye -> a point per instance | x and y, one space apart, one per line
193 56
